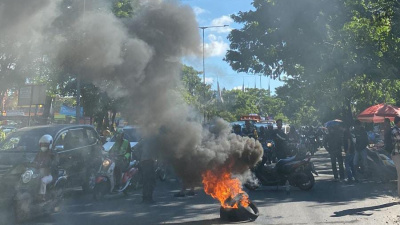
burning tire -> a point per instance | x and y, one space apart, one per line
239 214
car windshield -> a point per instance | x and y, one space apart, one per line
22 141
130 134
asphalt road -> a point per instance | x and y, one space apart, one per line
329 202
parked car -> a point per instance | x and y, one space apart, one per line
77 150
131 134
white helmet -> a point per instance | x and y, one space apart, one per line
45 142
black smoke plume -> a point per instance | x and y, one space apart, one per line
139 59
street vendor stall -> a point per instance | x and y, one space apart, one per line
377 113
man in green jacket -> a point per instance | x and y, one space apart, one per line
122 156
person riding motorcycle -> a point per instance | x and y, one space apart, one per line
261 135
270 133
237 129
293 140
122 150
43 161
293 136
280 141
249 130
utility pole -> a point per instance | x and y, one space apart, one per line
78 80
204 69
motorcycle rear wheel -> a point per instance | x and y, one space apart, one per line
306 184
89 182
100 190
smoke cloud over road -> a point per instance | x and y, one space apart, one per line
138 58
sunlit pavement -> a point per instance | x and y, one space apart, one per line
329 202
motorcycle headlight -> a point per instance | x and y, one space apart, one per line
27 176
269 144
106 163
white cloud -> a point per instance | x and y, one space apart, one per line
216 46
221 21
209 80
198 11
237 88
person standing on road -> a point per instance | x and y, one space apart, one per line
396 149
387 135
348 145
280 141
147 149
334 147
361 143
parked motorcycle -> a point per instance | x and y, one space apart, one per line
105 180
290 171
27 203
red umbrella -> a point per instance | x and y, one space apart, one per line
377 113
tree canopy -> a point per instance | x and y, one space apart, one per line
323 48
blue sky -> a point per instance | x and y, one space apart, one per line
217 12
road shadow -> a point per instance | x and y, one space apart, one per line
362 211
200 222
128 210
203 209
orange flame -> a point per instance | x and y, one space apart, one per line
221 186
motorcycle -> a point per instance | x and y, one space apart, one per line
312 144
26 202
290 171
320 141
105 180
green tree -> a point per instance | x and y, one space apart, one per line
123 8
321 46
196 93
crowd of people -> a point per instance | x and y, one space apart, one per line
351 139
